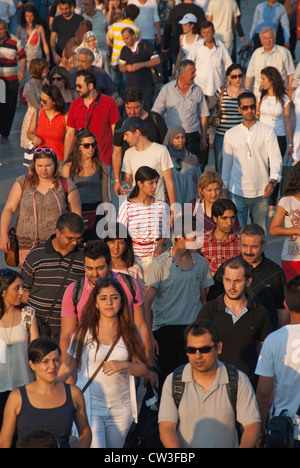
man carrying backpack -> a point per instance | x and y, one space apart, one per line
200 408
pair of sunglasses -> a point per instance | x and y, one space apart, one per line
202 349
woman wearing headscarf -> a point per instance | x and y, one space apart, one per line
186 170
90 42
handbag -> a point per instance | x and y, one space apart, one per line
214 119
89 219
286 170
29 151
157 75
102 363
280 431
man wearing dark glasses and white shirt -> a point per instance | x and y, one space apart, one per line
203 414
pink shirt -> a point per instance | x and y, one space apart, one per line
68 310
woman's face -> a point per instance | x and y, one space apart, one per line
92 42
179 141
44 168
47 369
109 302
58 81
148 187
115 3
211 193
236 77
265 82
187 27
87 147
117 247
13 294
47 103
29 17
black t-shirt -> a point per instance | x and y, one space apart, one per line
142 78
65 29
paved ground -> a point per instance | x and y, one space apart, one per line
11 154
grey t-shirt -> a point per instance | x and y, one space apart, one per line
177 301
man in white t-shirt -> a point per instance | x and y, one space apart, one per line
143 152
224 15
279 368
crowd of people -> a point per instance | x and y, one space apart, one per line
136 264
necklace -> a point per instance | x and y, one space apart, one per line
8 338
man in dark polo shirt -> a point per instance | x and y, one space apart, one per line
49 269
267 286
243 324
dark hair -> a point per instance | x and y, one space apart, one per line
129 30
64 2
133 95
246 95
55 95
206 25
220 206
292 294
115 232
143 174
238 262
37 67
63 72
200 327
89 77
30 8
253 230
7 277
40 348
71 221
234 66
96 249
75 156
90 324
293 181
132 12
278 84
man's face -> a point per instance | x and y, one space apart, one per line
128 38
134 109
68 240
65 10
81 87
96 269
200 362
131 137
83 62
208 34
225 222
235 282
88 7
267 40
188 75
248 109
3 32
252 248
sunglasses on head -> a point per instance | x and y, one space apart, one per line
202 349
252 107
88 145
43 150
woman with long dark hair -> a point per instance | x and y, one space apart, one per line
18 327
288 213
90 176
274 109
110 395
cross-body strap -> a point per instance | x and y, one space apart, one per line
102 363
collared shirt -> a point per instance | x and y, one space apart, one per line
234 317
266 15
178 109
251 157
10 53
115 35
217 251
210 65
279 57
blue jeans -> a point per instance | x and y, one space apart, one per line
257 208
218 146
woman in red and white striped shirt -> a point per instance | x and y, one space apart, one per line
144 217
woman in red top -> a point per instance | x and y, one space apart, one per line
50 128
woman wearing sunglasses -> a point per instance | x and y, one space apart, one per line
40 198
90 176
230 116
60 78
48 128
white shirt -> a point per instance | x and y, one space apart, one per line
146 18
223 12
156 156
280 359
247 156
272 113
210 65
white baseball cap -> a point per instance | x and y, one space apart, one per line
188 18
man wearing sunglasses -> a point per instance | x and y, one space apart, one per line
205 417
251 164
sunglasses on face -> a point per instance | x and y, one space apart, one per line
57 78
88 145
246 108
44 102
202 349
234 77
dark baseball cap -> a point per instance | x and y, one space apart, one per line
132 123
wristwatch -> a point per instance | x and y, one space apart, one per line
273 183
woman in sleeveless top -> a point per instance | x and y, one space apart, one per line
188 39
18 327
45 404
84 167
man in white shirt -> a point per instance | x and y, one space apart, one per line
279 368
251 164
270 55
224 16
211 59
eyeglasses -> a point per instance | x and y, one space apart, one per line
88 145
73 239
202 349
248 150
246 108
57 78
234 77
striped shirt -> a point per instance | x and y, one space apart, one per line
114 34
145 224
230 113
10 53
43 272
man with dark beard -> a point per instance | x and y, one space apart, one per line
243 324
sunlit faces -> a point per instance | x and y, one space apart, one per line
47 369
96 269
252 248
211 193
13 294
148 187
188 75
109 302
44 168
83 62
235 282
179 141
203 362
225 222
87 147
265 82
29 17
46 102
92 42
117 247
267 40
68 240
134 109
82 88
208 34
247 109
128 38
131 137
